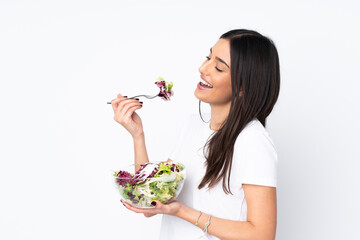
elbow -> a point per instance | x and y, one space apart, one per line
263 236
264 233
253 233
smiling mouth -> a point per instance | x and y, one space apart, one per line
205 84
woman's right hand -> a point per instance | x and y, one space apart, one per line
124 113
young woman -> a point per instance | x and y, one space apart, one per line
230 189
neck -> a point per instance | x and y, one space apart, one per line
218 115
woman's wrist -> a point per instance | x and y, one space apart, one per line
180 211
198 218
138 137
140 152
187 213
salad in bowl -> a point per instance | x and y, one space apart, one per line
161 181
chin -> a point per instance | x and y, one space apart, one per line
199 97
196 94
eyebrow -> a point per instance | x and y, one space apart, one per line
220 59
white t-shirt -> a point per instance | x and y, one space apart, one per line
254 162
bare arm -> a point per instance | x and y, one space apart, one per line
124 113
219 227
141 156
261 217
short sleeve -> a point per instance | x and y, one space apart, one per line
257 159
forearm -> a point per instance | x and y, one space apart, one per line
221 228
140 152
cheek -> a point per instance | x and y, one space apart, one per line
226 85
224 89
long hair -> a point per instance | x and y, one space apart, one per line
255 72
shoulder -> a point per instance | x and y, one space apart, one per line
254 133
255 155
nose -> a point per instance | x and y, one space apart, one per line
203 69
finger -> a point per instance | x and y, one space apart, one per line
131 110
138 210
148 215
122 104
115 102
122 107
158 206
121 111
121 96
125 106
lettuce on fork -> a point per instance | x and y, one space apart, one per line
165 88
153 181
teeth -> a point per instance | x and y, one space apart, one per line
205 83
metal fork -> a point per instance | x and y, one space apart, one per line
147 96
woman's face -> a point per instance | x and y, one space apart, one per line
216 71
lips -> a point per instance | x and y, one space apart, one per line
201 87
202 77
205 83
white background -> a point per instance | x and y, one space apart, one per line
61 61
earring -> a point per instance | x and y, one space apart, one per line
200 113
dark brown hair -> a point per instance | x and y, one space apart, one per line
255 71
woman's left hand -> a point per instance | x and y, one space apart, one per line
170 208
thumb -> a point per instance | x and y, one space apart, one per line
157 204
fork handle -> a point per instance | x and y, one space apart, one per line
138 96
147 96
129 98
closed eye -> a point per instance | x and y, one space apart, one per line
208 58
218 69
